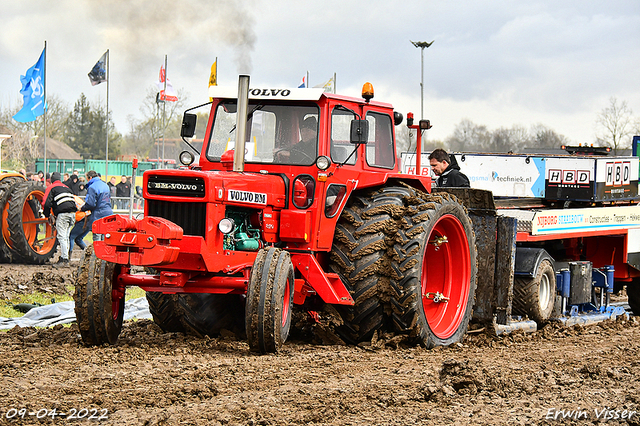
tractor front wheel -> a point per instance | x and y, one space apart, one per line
435 268
99 301
269 300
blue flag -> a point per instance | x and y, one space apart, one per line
98 73
33 92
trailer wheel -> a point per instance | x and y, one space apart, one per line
7 254
204 314
633 294
99 304
31 235
358 256
165 310
435 267
535 297
269 300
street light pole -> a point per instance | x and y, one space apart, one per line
422 45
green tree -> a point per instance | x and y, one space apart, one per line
86 131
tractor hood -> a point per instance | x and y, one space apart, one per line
254 190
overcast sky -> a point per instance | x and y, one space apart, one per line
496 63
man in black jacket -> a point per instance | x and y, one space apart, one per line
59 198
449 174
123 192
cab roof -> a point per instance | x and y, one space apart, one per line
289 94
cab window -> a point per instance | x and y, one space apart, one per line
380 152
341 148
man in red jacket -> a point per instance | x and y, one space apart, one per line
59 198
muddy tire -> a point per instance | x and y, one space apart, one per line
435 268
165 310
7 254
269 301
31 235
535 297
99 311
633 294
203 314
358 256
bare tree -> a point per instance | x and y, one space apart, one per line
468 136
144 133
544 137
615 125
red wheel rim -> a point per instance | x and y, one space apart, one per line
446 270
37 231
285 304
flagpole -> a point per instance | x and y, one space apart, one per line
106 151
164 104
44 83
334 82
308 79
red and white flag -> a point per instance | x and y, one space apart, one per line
170 95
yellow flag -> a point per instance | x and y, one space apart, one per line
213 78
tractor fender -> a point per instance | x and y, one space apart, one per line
528 260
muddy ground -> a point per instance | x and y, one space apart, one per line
153 378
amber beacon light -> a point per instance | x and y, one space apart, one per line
367 91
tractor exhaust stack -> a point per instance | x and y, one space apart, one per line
241 123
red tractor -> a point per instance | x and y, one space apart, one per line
297 199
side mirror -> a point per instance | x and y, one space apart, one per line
359 131
188 125
397 118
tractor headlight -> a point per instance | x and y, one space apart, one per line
186 158
323 162
226 225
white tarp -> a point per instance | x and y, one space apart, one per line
63 313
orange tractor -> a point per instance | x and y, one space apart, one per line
27 236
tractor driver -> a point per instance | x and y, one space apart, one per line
305 151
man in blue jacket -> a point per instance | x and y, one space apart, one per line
98 201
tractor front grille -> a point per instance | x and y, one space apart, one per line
192 217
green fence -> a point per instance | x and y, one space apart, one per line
116 168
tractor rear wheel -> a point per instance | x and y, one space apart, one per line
165 310
99 309
31 235
7 254
358 256
204 314
435 272
633 294
535 297
269 300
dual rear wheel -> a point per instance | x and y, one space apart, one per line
408 260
